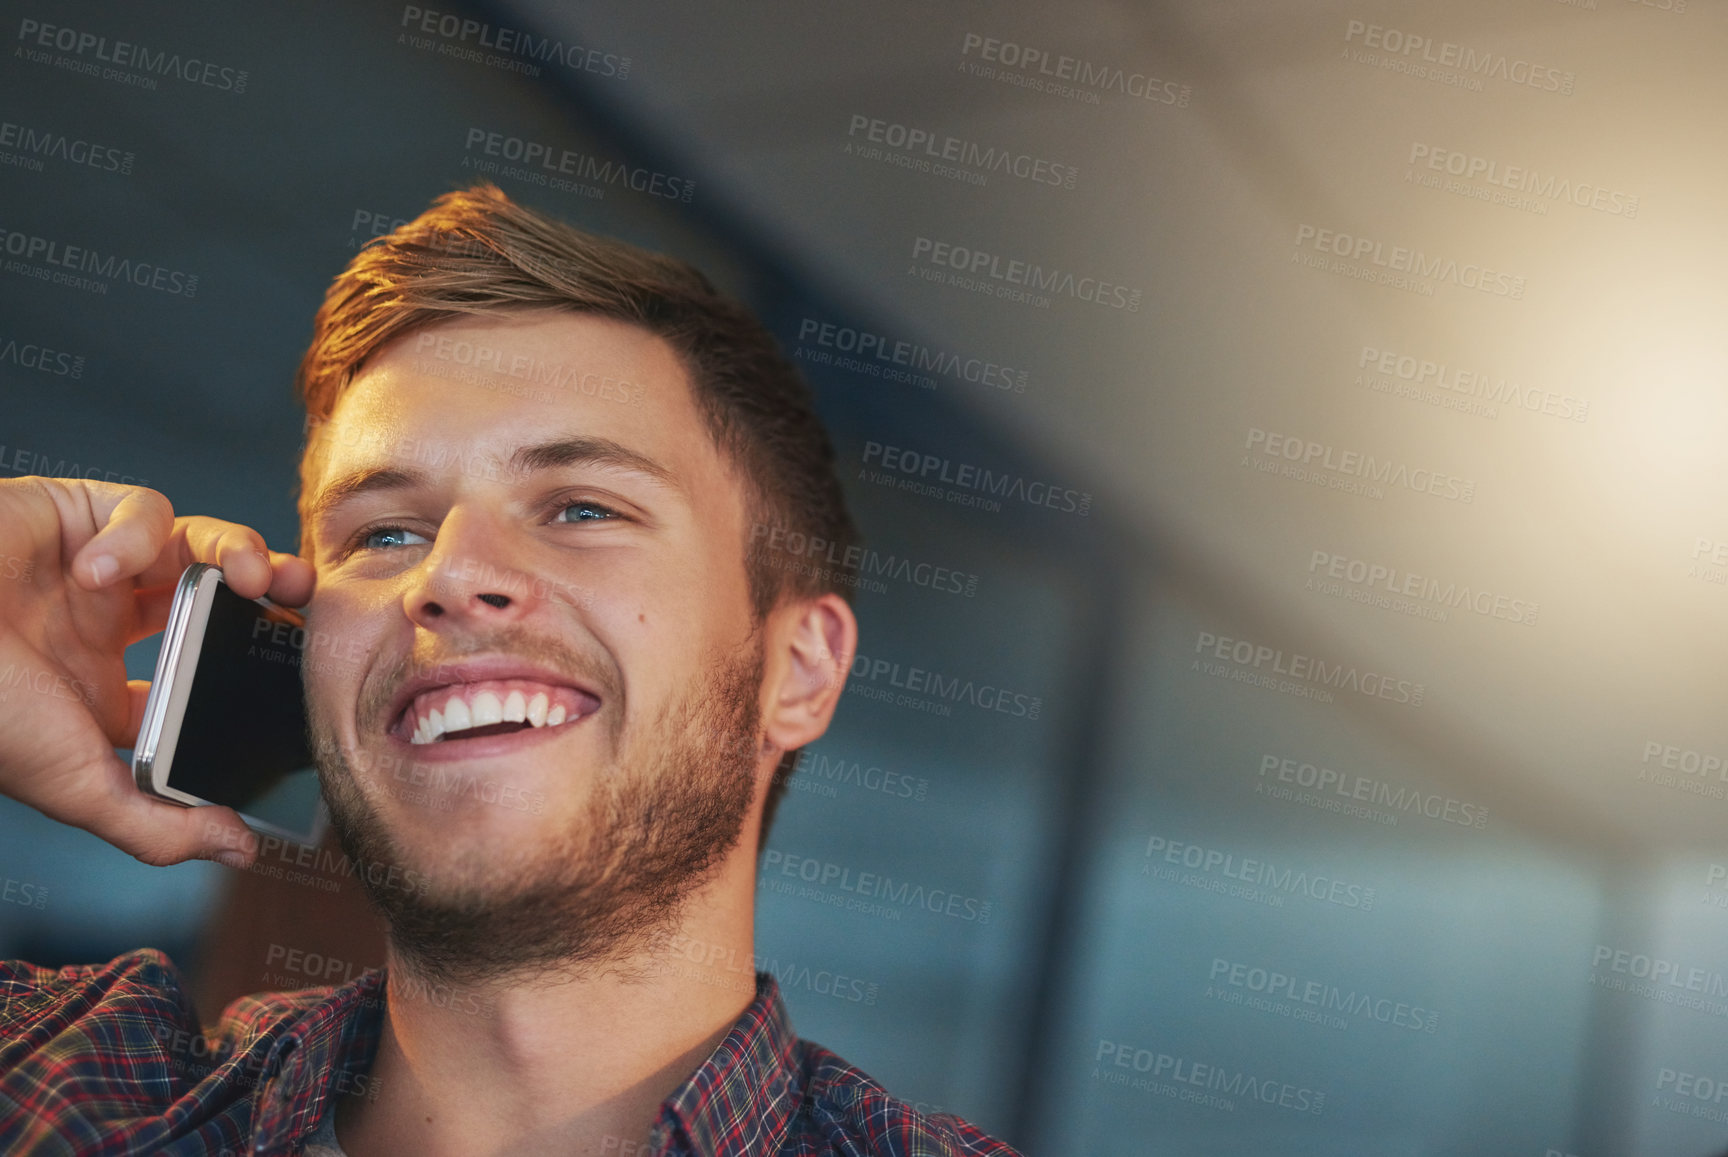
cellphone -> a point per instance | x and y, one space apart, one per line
225 720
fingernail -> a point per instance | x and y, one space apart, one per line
104 568
235 860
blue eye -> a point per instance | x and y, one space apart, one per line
591 512
371 539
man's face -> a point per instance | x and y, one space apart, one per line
541 692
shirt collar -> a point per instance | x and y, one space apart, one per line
740 1101
326 1052
743 1097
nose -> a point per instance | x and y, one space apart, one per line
466 581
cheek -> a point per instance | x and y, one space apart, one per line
340 640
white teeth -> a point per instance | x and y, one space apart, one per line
457 716
487 709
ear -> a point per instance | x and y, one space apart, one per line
812 642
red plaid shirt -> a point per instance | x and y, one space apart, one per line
110 1059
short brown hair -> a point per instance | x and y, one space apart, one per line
476 252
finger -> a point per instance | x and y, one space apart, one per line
239 550
132 523
293 580
152 606
291 584
137 695
161 833
95 792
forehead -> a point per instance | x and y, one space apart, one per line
461 397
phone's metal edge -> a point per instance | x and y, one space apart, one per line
156 703
156 713
179 691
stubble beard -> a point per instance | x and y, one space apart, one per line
593 897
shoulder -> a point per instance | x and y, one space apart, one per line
116 1050
134 1006
87 1035
847 1111
144 984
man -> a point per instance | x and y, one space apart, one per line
536 462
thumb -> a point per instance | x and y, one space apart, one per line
159 832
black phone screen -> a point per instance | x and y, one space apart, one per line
243 739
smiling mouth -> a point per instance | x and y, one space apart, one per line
461 711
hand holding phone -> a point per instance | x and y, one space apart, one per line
87 568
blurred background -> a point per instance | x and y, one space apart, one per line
1324 405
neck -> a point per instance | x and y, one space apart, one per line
558 1063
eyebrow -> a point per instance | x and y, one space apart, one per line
573 451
